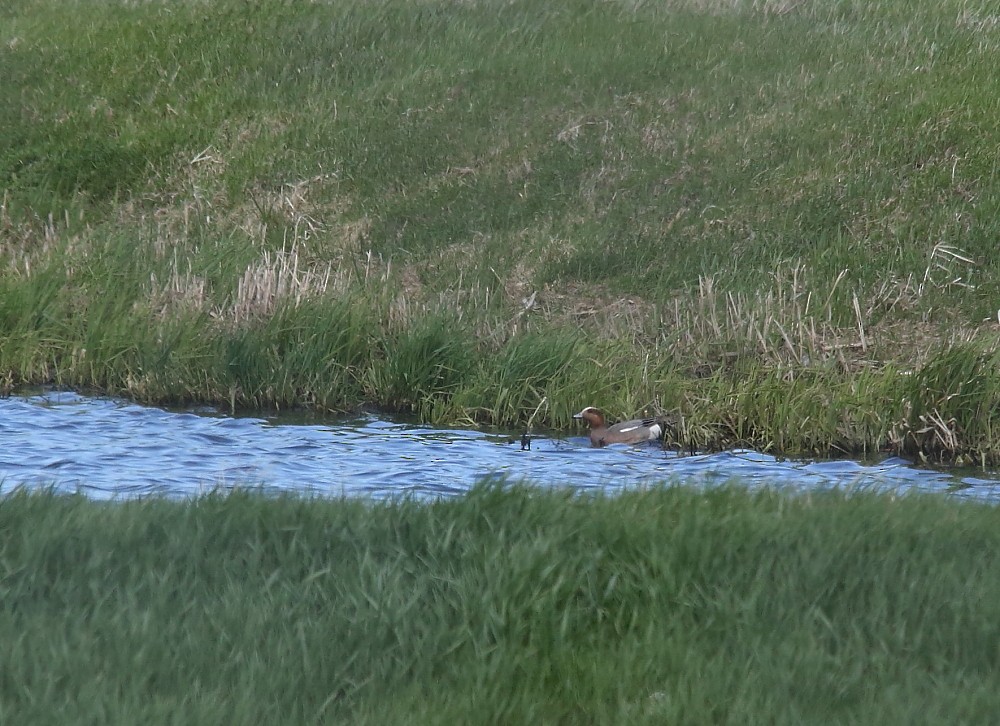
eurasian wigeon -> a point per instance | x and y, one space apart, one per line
637 431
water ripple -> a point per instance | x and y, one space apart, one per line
105 449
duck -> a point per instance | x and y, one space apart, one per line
636 431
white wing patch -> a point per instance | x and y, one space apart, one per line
654 430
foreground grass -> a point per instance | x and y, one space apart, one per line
769 216
510 604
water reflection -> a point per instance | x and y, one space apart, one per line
107 448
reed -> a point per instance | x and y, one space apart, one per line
510 603
954 398
423 365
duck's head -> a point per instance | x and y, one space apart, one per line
592 416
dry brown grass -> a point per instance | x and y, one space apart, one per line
278 278
28 243
791 322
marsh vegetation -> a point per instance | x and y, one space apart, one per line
779 219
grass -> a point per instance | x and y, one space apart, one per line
488 212
510 604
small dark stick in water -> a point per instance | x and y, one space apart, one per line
526 436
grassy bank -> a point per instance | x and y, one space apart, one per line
506 605
773 217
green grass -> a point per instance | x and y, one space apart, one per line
509 604
353 203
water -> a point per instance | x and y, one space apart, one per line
110 449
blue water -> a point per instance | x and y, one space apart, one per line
108 449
